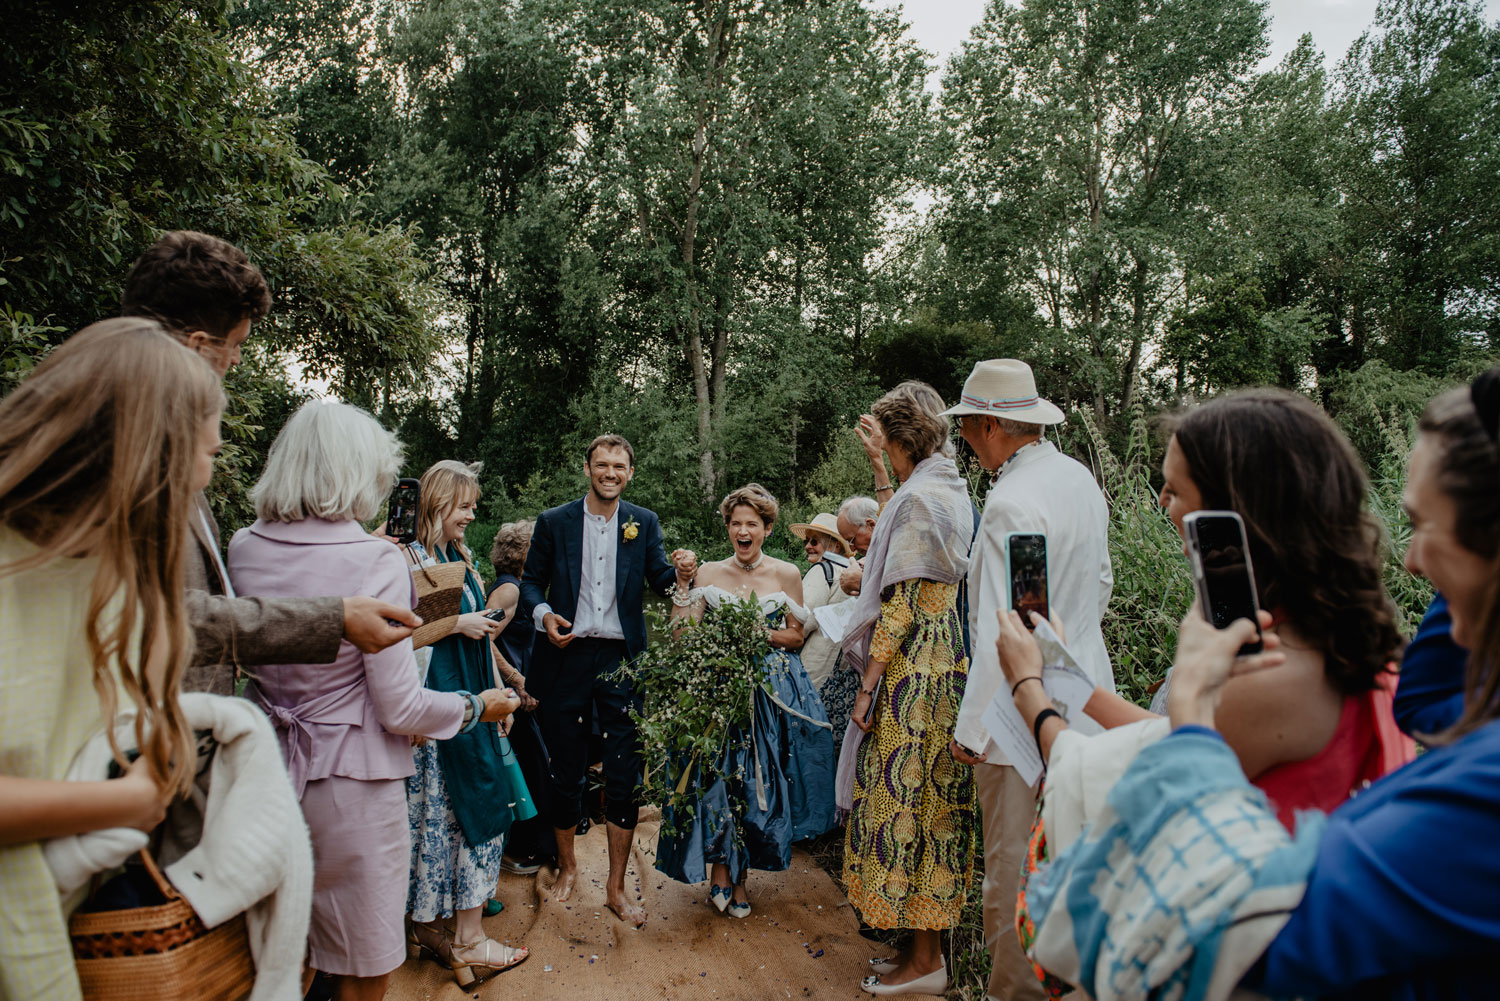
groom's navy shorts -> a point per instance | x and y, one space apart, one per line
581 686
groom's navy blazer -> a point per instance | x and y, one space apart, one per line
552 573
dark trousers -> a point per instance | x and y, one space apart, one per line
581 689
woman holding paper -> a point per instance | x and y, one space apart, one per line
909 847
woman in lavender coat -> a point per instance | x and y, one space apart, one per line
345 727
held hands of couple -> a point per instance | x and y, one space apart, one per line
685 562
1207 658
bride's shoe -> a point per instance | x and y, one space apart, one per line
884 964
720 896
475 961
935 982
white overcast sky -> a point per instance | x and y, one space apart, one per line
940 26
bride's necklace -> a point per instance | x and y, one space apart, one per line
748 567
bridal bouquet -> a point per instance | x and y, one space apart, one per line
697 682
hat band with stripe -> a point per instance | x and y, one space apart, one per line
1017 404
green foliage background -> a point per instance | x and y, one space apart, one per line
505 226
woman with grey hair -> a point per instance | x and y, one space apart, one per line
344 727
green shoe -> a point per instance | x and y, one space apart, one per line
493 907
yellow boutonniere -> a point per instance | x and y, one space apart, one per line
632 529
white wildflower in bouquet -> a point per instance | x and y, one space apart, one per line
697 683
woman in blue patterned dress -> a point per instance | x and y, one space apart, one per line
778 784
467 791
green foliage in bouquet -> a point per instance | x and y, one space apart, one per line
697 683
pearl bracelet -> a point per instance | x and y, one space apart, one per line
682 598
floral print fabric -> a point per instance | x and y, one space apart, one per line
447 874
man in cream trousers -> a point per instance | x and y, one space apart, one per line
1036 489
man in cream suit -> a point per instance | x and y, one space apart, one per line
1036 489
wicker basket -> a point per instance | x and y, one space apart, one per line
440 593
160 953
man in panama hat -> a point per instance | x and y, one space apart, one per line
1036 489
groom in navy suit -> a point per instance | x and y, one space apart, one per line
584 578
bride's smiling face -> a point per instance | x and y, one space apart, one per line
747 533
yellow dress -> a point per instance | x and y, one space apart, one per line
909 847
48 711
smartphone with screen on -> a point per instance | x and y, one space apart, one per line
401 521
1220 552
1026 556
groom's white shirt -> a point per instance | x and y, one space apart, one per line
598 612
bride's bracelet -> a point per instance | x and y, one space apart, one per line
682 597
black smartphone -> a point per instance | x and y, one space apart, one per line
874 701
1026 555
495 615
401 521
1220 552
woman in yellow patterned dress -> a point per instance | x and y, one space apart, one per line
909 846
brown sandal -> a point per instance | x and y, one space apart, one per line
495 958
425 940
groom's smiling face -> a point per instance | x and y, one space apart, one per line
608 471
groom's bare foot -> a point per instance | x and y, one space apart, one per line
633 914
562 888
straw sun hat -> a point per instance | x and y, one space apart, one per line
823 524
1004 387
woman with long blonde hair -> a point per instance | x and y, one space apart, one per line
102 450
467 791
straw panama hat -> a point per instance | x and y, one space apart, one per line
824 524
1004 387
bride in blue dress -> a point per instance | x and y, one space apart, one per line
777 784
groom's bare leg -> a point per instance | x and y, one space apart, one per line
619 858
567 863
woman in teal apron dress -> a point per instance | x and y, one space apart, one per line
467 791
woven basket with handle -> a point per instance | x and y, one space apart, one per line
160 953
440 593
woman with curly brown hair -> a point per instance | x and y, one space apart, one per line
1317 728
775 784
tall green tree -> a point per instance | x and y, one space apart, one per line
125 120
1420 150
741 159
1089 141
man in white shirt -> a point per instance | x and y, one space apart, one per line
1036 489
583 582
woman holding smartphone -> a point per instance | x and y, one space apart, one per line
1393 897
1320 725
467 791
